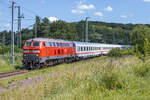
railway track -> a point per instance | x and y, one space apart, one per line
12 73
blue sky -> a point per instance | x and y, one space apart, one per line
117 11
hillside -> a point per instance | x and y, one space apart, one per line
101 78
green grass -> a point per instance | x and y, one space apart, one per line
5 62
102 78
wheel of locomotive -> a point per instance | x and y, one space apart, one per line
38 66
30 67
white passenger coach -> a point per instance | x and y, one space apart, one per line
85 49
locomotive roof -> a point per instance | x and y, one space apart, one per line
49 40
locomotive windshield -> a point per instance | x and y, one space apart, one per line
28 44
36 44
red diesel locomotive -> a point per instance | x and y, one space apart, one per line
40 52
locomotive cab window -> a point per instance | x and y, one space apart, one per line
36 44
28 44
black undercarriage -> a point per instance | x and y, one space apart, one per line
34 63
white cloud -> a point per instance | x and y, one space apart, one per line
53 19
82 1
109 8
124 16
81 8
77 11
7 26
100 14
146 0
85 7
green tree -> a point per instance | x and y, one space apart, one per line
136 49
146 47
139 33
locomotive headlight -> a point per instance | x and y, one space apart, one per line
36 51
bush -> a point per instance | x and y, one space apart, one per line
115 52
7 49
128 52
142 71
112 81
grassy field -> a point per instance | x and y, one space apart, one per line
5 62
102 78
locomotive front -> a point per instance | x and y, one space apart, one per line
31 53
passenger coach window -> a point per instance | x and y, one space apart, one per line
54 44
50 44
81 48
67 45
57 44
62 44
74 45
78 48
36 44
28 44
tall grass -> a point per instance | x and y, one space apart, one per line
5 62
103 78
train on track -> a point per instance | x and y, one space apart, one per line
41 52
